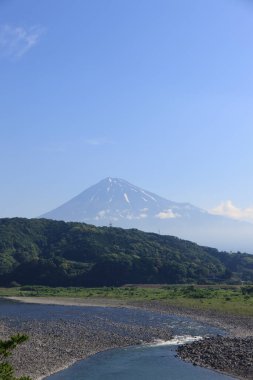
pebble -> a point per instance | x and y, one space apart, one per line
56 344
225 354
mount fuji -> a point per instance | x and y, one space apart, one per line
116 202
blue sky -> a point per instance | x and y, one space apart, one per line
157 92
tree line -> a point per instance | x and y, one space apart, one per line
55 253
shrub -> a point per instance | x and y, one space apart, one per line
6 348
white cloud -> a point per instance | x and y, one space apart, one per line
101 214
166 214
15 41
228 209
97 142
143 215
135 217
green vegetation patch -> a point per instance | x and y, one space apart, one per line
53 253
228 299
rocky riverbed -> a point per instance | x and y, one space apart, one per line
229 355
232 355
57 343
235 325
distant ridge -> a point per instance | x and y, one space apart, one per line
47 252
114 201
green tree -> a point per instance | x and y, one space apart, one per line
6 348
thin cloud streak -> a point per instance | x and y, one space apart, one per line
16 41
228 209
68 146
97 142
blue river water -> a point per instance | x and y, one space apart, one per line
136 363
146 362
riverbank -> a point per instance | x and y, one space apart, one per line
57 341
224 354
235 325
61 343
232 355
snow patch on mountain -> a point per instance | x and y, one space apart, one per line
148 195
116 202
126 198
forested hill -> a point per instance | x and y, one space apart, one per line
46 252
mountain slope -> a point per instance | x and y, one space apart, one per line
46 252
116 202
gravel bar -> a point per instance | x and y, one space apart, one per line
56 344
228 355
232 355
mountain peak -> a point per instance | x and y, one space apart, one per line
118 202
114 180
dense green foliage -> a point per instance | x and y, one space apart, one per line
6 348
46 252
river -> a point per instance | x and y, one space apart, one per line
144 362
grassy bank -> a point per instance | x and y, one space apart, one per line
237 300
